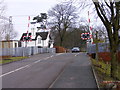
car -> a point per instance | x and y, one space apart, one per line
75 49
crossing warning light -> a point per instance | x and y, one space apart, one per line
27 38
86 36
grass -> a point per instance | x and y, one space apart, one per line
11 59
103 71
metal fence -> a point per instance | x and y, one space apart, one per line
102 47
25 51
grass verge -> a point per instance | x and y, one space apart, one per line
102 71
11 59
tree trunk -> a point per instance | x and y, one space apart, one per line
97 45
61 41
113 50
114 63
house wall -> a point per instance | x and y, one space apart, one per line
46 42
42 43
14 44
8 44
33 31
0 44
29 44
39 43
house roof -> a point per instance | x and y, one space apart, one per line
24 34
42 34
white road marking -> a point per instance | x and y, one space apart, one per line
76 54
26 66
46 58
59 54
15 70
52 56
37 61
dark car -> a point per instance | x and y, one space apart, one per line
75 49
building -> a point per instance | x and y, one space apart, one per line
37 36
39 39
9 44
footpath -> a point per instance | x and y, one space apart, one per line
77 74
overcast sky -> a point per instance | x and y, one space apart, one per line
21 9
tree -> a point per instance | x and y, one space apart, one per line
102 34
109 13
2 10
6 27
72 38
9 32
41 19
63 17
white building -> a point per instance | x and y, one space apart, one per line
39 37
9 44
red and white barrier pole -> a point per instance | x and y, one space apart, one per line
28 26
90 27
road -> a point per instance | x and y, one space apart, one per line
68 70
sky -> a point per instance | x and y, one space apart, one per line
21 9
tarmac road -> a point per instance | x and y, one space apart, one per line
68 70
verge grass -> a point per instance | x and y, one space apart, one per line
11 59
102 70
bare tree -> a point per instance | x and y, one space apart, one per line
7 31
102 33
2 10
109 13
63 17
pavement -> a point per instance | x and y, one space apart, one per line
78 74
